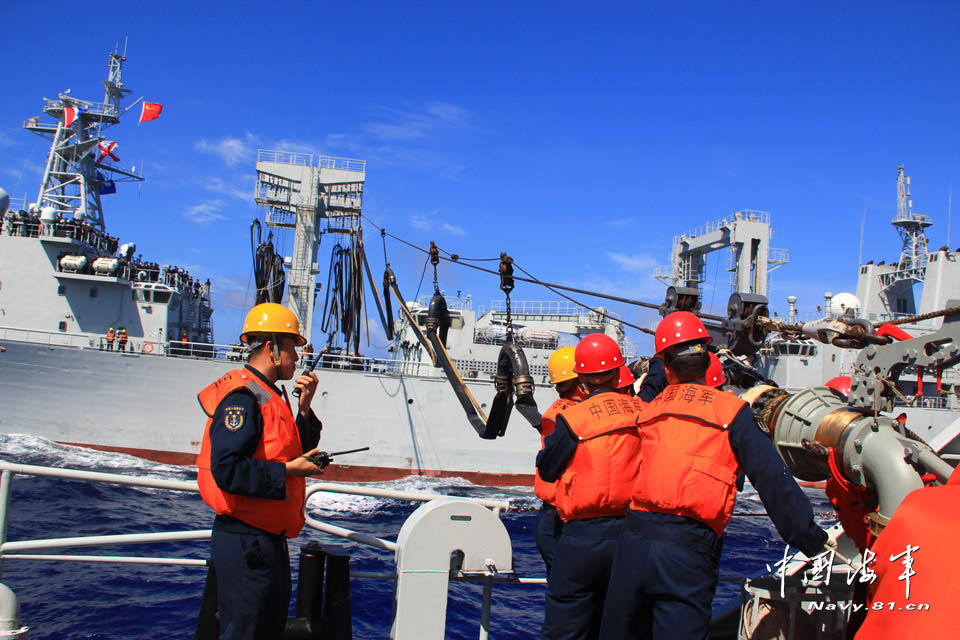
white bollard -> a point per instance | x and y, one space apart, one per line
425 545
10 615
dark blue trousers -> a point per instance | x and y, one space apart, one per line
663 579
578 580
253 584
547 533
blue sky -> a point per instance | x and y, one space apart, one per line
580 139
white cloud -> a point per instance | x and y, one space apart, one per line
404 131
218 185
294 146
446 111
415 121
430 222
205 212
620 222
636 263
22 167
232 151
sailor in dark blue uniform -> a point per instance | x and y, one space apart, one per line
251 471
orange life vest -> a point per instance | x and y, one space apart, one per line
110 335
600 475
689 468
929 519
280 443
547 491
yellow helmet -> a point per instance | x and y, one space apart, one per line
561 365
270 317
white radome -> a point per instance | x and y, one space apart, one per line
843 301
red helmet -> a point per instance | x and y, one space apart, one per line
715 377
626 377
677 328
597 353
841 384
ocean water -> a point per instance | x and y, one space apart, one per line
68 600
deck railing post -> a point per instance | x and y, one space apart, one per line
6 480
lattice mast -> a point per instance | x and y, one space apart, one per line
911 228
75 172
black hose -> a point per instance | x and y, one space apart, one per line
268 273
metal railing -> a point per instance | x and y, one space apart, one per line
745 215
541 307
457 304
311 160
26 549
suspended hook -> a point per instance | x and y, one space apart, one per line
506 273
435 260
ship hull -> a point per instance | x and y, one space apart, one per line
145 405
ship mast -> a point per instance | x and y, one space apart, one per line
746 233
911 226
307 192
76 172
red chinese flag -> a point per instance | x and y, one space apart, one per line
150 111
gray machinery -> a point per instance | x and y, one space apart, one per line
868 449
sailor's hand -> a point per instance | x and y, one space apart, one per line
307 384
302 466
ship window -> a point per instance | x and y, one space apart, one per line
456 322
793 349
161 297
93 292
62 290
421 319
63 325
833 358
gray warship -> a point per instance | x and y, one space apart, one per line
69 291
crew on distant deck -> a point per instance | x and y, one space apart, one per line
122 339
564 378
695 443
307 354
593 456
110 338
251 472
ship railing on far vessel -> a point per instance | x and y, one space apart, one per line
137 347
311 160
446 538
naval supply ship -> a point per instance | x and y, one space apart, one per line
798 351
129 341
